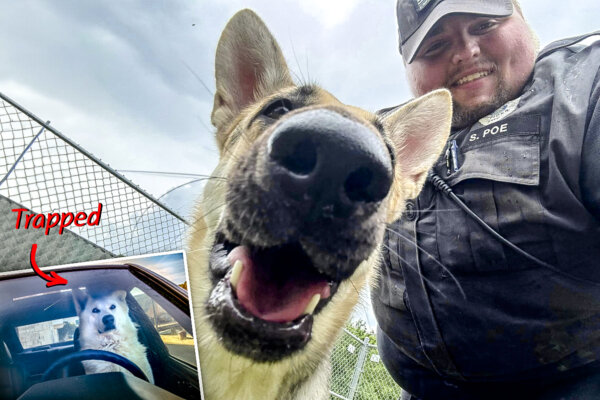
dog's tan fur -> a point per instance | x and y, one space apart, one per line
250 72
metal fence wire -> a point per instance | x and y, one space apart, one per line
358 373
45 172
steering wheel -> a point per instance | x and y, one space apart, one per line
101 355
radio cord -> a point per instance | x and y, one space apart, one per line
443 187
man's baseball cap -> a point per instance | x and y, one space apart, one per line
417 17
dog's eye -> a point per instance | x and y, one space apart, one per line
95 310
277 108
112 306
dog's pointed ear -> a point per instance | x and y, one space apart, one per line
419 131
120 295
248 65
79 299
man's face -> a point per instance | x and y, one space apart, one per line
483 61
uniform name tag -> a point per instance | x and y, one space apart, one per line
523 125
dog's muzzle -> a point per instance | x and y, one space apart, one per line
301 216
109 323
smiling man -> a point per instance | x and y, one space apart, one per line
508 306
484 61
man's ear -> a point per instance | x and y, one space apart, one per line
79 299
248 65
418 131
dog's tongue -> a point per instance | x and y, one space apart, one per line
275 290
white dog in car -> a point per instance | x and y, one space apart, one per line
105 324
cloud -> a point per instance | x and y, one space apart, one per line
132 81
329 13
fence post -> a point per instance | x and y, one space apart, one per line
358 368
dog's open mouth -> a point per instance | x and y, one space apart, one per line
263 301
274 284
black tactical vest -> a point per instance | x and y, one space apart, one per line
452 300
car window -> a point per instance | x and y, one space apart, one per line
47 332
177 339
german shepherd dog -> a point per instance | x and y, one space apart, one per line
291 223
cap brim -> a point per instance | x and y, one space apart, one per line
478 7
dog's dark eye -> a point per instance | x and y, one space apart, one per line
277 108
112 307
95 310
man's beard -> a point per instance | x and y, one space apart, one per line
462 117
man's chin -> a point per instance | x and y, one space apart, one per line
464 116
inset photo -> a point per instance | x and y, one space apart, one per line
119 328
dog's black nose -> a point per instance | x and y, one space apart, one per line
108 320
334 161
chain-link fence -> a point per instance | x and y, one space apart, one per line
45 172
358 373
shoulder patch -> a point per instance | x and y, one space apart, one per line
500 113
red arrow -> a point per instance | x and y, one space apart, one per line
53 279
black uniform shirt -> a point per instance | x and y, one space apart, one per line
531 170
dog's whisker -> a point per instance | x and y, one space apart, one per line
436 211
409 265
228 151
297 77
243 135
232 198
195 75
204 249
204 317
202 178
361 303
301 78
215 177
307 69
206 214
245 138
355 289
230 369
435 260
209 131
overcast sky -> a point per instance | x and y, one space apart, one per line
125 78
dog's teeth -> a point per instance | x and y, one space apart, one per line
235 273
310 308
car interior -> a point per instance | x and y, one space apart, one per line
27 302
